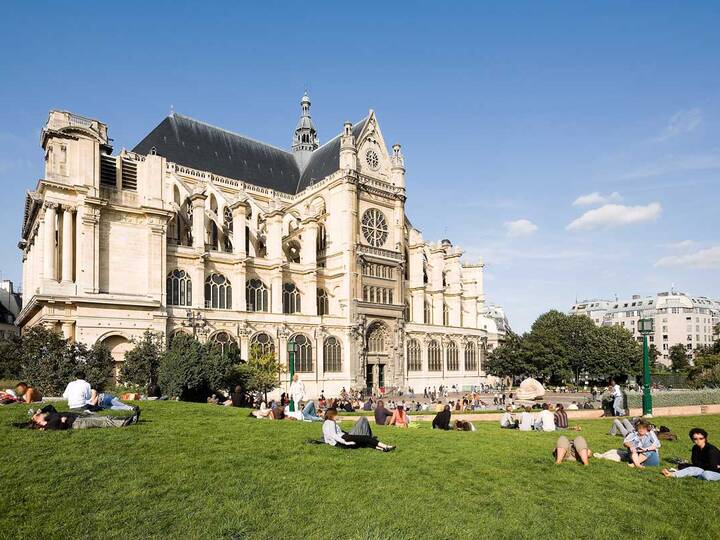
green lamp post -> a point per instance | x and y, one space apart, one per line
645 327
291 349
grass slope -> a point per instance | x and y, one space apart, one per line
198 471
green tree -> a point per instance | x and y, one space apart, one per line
46 360
95 361
264 371
679 357
10 359
618 353
142 362
191 370
509 359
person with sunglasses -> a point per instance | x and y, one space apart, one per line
704 458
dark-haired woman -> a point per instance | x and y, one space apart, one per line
705 459
360 435
442 419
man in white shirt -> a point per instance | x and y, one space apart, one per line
546 419
78 392
526 420
297 391
617 399
507 420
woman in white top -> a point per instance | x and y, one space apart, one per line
546 419
360 435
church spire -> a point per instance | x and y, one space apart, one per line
305 139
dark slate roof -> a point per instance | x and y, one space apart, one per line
325 160
194 144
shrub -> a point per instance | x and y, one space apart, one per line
10 362
142 362
676 398
191 370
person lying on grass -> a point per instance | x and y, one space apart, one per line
27 393
643 445
464 425
575 450
360 436
704 459
48 418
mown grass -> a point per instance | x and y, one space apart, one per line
199 471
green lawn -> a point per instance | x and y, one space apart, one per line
199 471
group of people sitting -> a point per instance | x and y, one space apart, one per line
83 401
545 420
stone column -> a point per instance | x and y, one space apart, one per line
308 257
274 235
68 328
276 284
49 247
245 345
198 215
67 245
239 213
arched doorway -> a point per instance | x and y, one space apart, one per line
378 345
118 346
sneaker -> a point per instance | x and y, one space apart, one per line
388 449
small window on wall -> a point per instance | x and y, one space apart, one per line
427 313
332 355
291 298
323 303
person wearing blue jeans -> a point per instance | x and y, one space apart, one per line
107 401
705 459
309 412
643 445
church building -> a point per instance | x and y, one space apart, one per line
202 230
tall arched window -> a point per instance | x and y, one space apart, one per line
414 355
224 340
453 364
228 221
303 356
213 225
446 315
263 344
434 356
179 288
377 339
332 355
321 240
470 357
290 298
323 302
218 292
257 295
187 237
408 311
427 313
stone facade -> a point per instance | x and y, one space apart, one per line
10 305
115 245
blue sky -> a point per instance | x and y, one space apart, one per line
574 146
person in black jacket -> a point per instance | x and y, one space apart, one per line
48 418
442 419
705 459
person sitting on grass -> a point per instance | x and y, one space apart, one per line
101 401
508 420
48 418
704 459
526 420
622 427
575 450
309 412
360 436
382 415
399 418
27 393
464 425
442 419
561 418
78 392
643 445
263 412
546 419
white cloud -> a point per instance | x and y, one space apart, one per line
615 215
684 245
674 164
704 258
520 227
681 122
595 198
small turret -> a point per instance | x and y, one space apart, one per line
397 170
348 151
305 139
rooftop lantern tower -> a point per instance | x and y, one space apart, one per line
305 139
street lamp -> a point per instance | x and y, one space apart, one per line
195 320
645 327
291 349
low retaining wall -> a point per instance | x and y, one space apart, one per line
584 414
